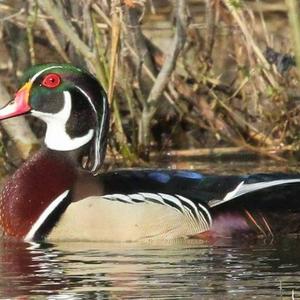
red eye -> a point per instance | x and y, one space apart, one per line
51 81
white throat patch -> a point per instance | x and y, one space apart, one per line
56 137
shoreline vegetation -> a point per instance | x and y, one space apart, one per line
206 78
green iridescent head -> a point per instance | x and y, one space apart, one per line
71 102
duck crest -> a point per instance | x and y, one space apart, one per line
32 189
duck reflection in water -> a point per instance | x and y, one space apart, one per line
90 269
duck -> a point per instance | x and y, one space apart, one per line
61 193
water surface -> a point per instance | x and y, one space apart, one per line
177 270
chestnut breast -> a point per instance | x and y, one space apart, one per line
32 188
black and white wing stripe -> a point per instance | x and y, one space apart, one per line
197 213
245 187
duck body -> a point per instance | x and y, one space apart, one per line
59 194
49 198
138 205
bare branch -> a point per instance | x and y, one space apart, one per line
51 9
170 62
163 77
53 39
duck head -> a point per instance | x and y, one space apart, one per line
73 105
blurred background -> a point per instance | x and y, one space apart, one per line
184 78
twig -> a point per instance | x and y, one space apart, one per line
169 64
51 9
132 51
239 19
263 23
12 16
31 21
293 14
101 63
99 11
136 38
217 152
52 38
254 133
115 41
164 75
210 16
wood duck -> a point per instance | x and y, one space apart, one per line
59 194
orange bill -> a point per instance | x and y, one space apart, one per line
19 105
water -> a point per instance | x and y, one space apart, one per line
182 270
186 269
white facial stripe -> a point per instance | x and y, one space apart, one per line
42 71
43 217
97 150
56 137
97 144
88 97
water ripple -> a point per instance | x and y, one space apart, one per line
144 271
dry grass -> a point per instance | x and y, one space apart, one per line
191 75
